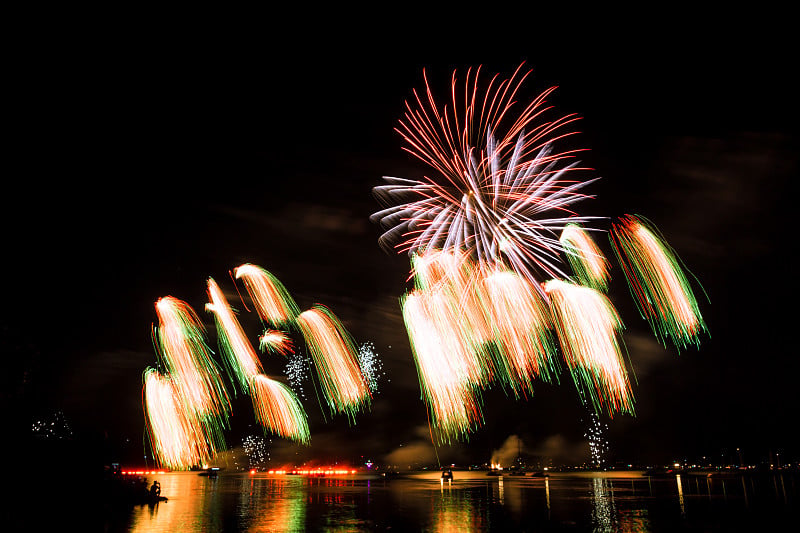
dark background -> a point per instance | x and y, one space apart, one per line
146 158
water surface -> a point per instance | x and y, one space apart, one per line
473 501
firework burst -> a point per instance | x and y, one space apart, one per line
179 339
598 444
334 355
297 372
272 301
444 367
178 440
588 329
371 366
242 360
522 325
278 410
493 221
501 191
588 263
276 341
657 282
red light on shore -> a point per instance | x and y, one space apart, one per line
313 471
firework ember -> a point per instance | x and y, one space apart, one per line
242 359
278 410
276 341
444 367
588 263
371 365
588 329
522 329
657 282
335 359
177 439
187 359
272 301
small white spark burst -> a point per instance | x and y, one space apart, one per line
255 446
297 372
371 365
52 426
598 445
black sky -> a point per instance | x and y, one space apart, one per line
146 164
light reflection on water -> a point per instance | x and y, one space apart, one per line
604 502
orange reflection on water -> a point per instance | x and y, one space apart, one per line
274 504
198 503
455 511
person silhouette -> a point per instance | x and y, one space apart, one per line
155 489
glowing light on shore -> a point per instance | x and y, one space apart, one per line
278 410
242 359
588 329
335 360
272 301
657 282
588 262
321 471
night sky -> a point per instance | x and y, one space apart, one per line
146 165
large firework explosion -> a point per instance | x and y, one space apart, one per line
492 237
500 191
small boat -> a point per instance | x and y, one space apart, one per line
447 475
494 472
210 472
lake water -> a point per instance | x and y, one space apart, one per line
602 502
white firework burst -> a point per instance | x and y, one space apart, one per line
257 449
500 197
598 444
297 372
371 365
